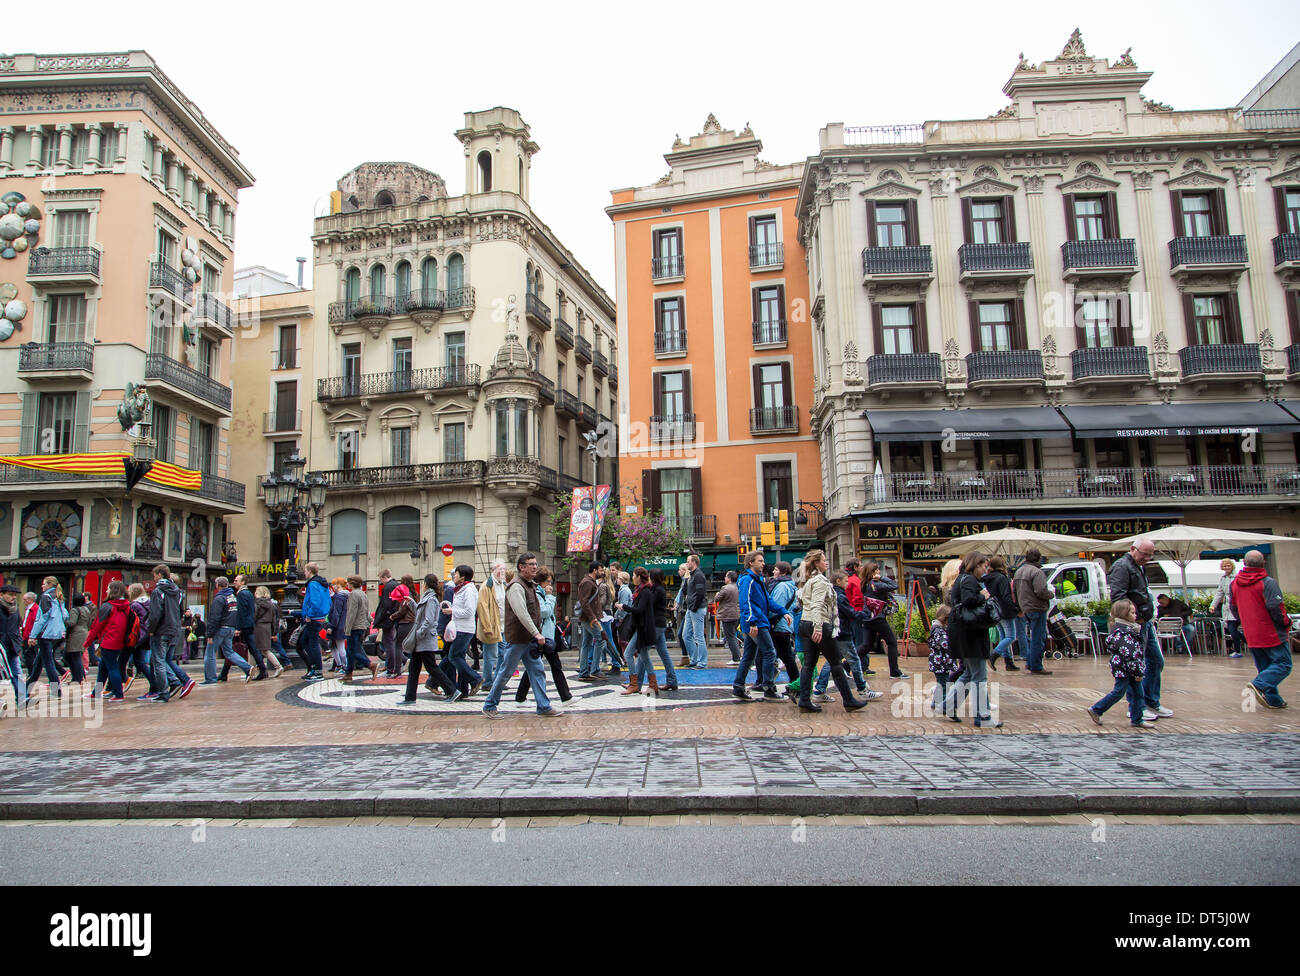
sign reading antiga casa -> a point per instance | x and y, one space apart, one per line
1096 528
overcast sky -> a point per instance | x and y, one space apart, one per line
305 92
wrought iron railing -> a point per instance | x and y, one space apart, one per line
168 370
766 255
459 298
566 403
1236 357
423 300
1110 361
222 490
995 257
770 332
749 522
36 356
884 135
63 261
696 528
281 421
1272 118
1293 359
1004 364
670 342
668 266
1218 249
538 310
350 310
1117 253
444 472
587 416
582 348
549 478
600 364
397 382
214 310
912 259
906 367
772 419
563 332
1286 248
672 427
169 279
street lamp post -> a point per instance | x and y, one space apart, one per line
293 503
592 447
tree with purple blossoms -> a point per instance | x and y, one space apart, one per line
632 540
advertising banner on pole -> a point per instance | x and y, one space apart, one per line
587 517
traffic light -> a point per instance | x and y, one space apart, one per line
767 533
740 553
783 526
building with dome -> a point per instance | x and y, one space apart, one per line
460 353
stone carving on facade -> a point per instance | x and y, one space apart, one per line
664 180
985 173
1006 112
952 359
1266 351
1074 49
852 368
1154 106
1033 184
762 164
711 125
1125 60
1052 362
840 191
1142 179
1024 64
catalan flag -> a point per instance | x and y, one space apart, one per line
108 464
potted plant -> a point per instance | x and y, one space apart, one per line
1073 608
909 644
1099 611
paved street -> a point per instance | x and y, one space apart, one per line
1064 851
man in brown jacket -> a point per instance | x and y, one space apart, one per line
588 606
522 631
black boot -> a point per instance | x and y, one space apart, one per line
993 663
851 704
1011 665
805 686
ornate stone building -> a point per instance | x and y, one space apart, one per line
461 352
1080 311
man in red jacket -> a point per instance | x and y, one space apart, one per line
1257 602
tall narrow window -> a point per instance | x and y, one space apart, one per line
764 248
1211 322
778 490
67 318
211 279
286 405
1089 219
769 314
672 395
207 357
986 222
280 455
772 391
348 449
208 442
1197 215
401 445
995 326
288 356
165 248
378 282
402 282
667 261
164 432
352 368
428 279
1098 323
676 498
891 224
455 350
897 329
352 286
670 325
402 356
484 171
502 429
72 228
54 421
522 423
560 453
1291 210
455 279
453 442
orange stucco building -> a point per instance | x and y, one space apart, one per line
715 347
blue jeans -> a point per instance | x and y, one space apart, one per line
222 642
1034 623
852 664
1007 634
19 682
1273 664
110 671
1123 686
588 655
608 646
165 655
759 651
357 656
693 638
491 660
1155 664
644 666
1189 635
977 674
458 668
514 653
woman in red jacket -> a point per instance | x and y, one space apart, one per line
110 629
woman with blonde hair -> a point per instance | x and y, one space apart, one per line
266 624
338 635
1223 598
947 576
49 630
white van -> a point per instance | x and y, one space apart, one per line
1086 580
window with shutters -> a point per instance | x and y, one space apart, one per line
67 318
164 432
399 529
670 325
769 314
778 490
378 282
165 250
772 389
347 532
281 453
675 495
454 524
534 528
1289 221
208 445
400 443
54 422
348 449
351 359
987 222
891 224
211 279
897 329
207 357
562 450
455 350
286 405
352 285
1089 219
672 395
995 326
764 245
1197 215
402 361
668 261
1098 321
72 228
80 147
1210 319
453 442
288 348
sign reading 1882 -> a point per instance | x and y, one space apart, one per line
1096 528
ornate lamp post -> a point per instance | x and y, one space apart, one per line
293 503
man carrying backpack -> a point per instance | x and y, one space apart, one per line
222 615
116 629
164 626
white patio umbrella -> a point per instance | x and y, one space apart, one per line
1013 542
1185 543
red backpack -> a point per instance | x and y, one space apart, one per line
132 629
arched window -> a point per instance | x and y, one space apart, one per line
402 281
534 528
454 524
377 282
352 285
428 278
399 529
383 199
455 273
528 278
347 531
484 171
521 176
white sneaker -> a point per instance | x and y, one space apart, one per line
823 698
1150 716
870 695
1165 712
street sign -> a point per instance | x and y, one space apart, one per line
448 566
448 550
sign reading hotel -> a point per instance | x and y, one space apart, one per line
587 517
1080 118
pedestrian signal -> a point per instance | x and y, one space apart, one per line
767 533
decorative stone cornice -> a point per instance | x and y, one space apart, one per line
169 218
986 188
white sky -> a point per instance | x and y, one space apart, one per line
307 91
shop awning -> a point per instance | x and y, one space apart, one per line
968 425
1181 419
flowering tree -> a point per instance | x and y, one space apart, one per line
630 539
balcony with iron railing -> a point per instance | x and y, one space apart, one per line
398 382
913 261
459 300
600 365
670 343
373 308
765 256
587 416
1293 359
1104 485
566 404
422 300
672 427
1110 362
769 333
547 393
582 349
56 357
401 475
563 332
995 260
1004 364
694 528
1107 257
164 277
281 421
908 368
1218 252
539 313
211 310
212 487
668 266
750 523
64 263
1286 251
774 420
199 389
1227 359
222 490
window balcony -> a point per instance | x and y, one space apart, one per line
766 257
56 361
165 278
215 314
563 333
1229 361
199 390
995 261
370 311
1292 360
613 379
213 488
913 263
1222 252
582 349
538 312
458 377
671 343
64 265
750 523
222 490
1114 362
694 528
282 422
672 427
1286 252
1004 365
1081 259
424 305
514 469
770 334
672 267
774 420
547 393
549 479
600 365
586 417
566 404
907 368
459 300
398 382
403 475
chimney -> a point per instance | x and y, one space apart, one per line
301 264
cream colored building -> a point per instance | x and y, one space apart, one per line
126 280
461 352
1080 312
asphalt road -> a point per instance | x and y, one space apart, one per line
1177 854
